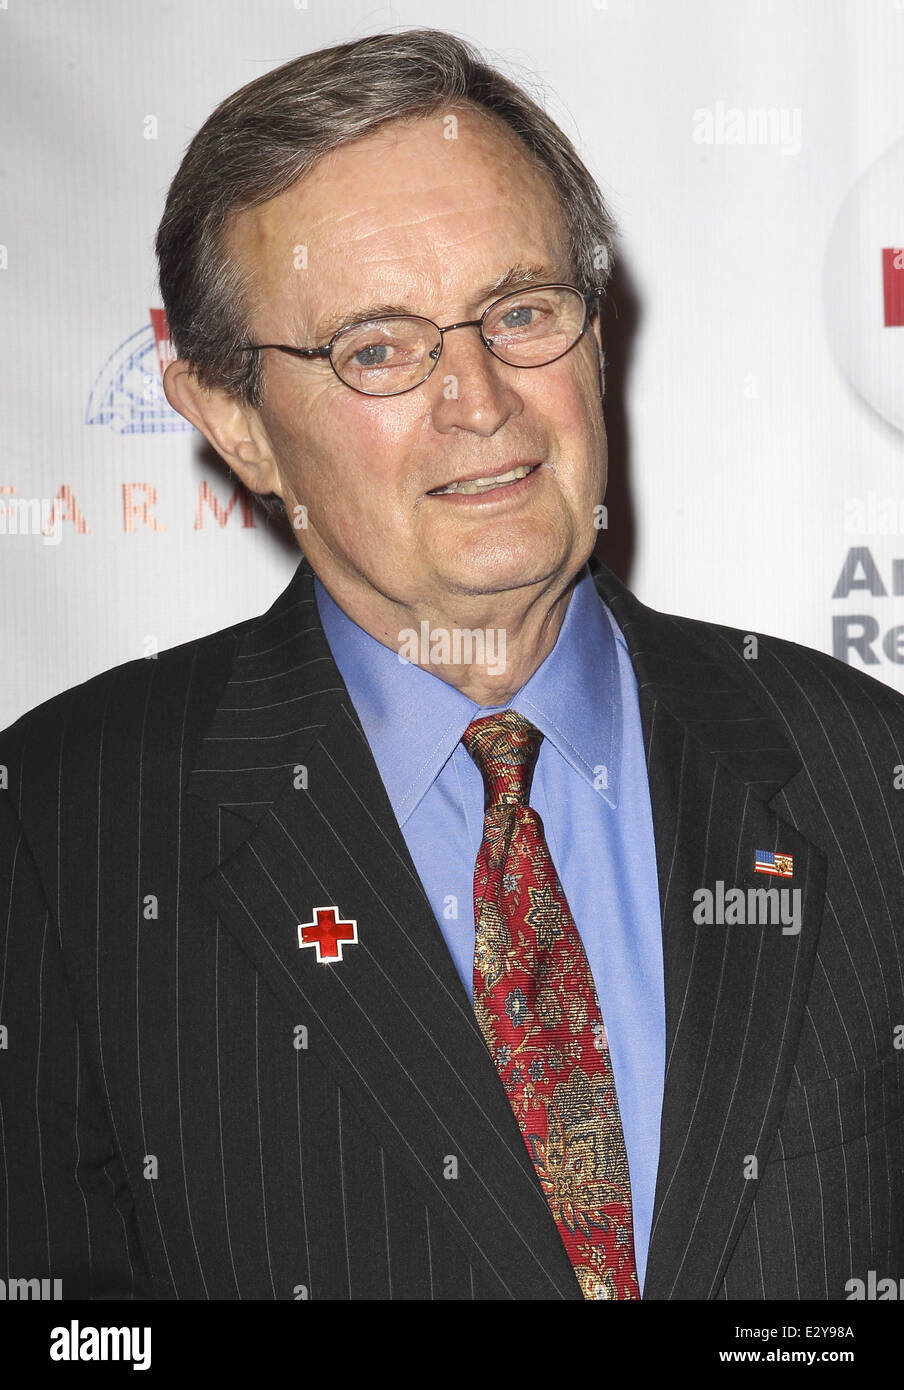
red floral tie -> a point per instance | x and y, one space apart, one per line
537 1008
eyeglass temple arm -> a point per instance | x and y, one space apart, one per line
283 347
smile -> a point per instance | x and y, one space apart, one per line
475 485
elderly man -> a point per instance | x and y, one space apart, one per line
459 928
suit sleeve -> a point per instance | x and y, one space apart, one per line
66 1210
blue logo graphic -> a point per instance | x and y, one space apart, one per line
128 393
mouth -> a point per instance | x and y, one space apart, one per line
470 487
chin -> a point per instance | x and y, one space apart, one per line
502 570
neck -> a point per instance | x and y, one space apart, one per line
487 646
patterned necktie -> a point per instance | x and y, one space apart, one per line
537 1008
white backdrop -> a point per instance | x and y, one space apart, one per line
753 154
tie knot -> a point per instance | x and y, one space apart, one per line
504 747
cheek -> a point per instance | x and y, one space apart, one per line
573 408
346 457
362 475
354 475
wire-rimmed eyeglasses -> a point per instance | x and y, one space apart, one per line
393 353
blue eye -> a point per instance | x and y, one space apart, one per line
371 349
513 313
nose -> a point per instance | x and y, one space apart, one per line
470 389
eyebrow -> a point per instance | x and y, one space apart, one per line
522 273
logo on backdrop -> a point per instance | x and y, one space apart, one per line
128 393
864 286
864 303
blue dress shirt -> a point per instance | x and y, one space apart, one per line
591 792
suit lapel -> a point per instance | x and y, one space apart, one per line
734 995
306 823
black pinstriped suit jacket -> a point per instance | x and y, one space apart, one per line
191 1107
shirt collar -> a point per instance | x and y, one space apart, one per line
414 721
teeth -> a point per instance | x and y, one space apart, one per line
484 484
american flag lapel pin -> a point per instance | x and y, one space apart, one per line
768 862
327 932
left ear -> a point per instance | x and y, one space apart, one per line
233 428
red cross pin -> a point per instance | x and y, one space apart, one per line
328 933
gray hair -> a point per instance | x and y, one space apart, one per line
264 137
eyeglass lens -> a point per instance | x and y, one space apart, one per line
526 329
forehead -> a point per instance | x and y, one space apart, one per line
411 213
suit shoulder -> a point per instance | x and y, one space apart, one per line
790 675
164 691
